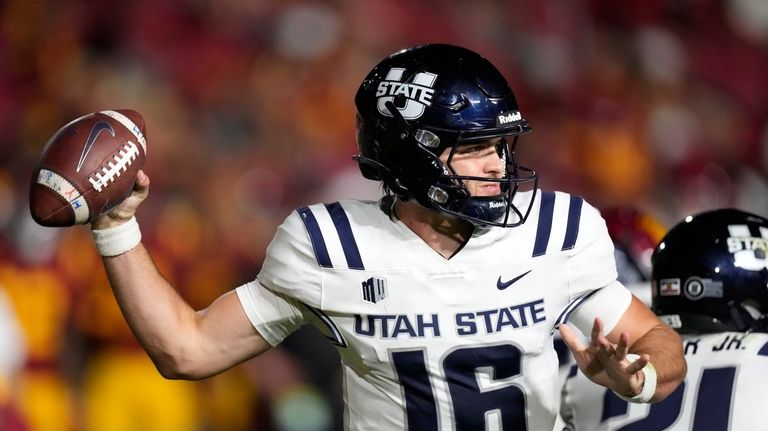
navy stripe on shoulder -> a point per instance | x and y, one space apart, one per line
348 243
544 227
574 217
316 236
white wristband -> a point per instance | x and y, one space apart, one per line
649 385
117 240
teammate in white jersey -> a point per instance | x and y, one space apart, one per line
441 298
709 283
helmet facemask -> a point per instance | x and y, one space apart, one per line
452 195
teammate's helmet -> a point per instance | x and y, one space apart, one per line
424 99
710 273
635 234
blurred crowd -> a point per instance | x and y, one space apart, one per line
248 105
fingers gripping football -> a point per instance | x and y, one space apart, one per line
127 208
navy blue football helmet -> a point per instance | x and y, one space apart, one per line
422 100
710 273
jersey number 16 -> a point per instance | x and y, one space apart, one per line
470 403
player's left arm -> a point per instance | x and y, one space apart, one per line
617 323
604 360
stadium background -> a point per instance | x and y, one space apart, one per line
657 104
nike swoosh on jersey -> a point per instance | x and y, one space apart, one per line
92 135
501 285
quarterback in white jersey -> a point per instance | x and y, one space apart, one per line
426 341
443 298
709 282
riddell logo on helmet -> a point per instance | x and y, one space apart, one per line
508 117
417 94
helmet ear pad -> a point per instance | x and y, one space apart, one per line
405 166
415 184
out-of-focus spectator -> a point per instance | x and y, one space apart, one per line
41 300
12 356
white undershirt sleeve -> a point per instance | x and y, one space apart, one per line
609 304
275 316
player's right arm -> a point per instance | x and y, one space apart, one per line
182 342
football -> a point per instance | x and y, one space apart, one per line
88 167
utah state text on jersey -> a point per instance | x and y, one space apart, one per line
467 323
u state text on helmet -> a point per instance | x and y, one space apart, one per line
418 94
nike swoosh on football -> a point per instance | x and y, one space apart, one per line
92 135
501 285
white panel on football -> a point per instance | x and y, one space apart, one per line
66 190
130 125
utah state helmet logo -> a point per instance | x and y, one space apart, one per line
417 94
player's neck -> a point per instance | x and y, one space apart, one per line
444 234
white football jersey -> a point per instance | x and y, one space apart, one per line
724 389
429 343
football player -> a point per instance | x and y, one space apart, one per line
442 298
709 277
